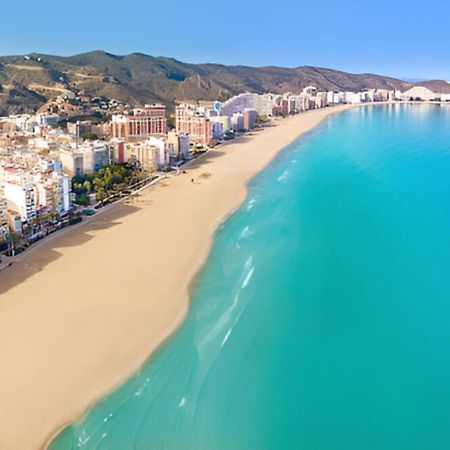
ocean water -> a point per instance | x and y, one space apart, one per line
321 320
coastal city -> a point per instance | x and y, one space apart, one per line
224 227
80 153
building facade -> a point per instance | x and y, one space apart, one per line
193 121
141 123
178 146
84 159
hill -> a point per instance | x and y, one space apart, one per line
26 83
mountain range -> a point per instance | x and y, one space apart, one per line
28 82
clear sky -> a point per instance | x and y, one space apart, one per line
392 37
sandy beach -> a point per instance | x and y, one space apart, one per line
83 312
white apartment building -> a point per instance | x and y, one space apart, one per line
4 230
263 104
21 199
352 98
237 121
178 146
78 160
53 193
161 156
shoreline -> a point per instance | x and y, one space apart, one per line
70 334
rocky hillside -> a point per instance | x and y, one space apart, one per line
26 83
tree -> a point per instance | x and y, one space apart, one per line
101 195
89 136
171 122
82 200
87 186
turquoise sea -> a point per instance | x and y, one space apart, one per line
321 320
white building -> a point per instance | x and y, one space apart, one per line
178 146
335 98
47 119
53 193
262 103
223 120
353 98
4 230
237 121
84 159
21 199
161 156
419 93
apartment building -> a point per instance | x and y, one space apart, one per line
140 123
178 146
193 121
21 200
84 159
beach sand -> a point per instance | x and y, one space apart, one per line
83 311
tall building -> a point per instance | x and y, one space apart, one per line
141 123
21 199
53 193
224 121
79 128
178 146
250 116
193 121
281 108
84 159
237 121
3 218
217 130
118 150
263 104
151 153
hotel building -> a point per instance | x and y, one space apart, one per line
141 123
193 121
84 159
151 153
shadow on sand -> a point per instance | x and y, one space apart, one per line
47 251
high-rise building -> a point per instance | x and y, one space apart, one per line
140 123
224 121
237 121
250 116
84 159
193 121
178 146
3 218
150 153
21 199
262 103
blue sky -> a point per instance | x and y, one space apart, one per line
396 37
